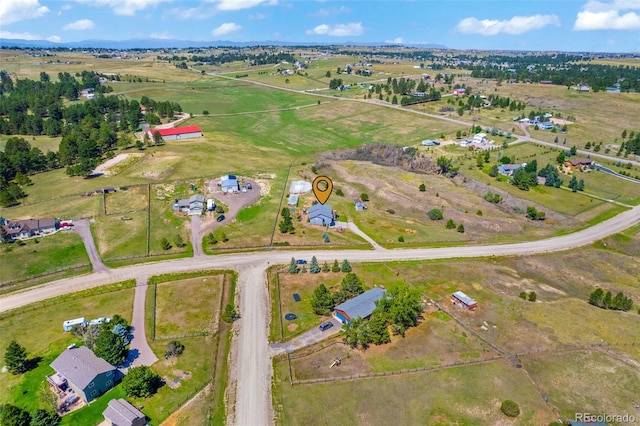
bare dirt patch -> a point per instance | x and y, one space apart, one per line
108 168
292 327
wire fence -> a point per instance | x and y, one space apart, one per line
45 274
396 372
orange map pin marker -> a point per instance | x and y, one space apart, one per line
322 187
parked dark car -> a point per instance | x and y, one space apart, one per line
326 325
296 297
301 262
220 218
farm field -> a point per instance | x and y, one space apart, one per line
438 397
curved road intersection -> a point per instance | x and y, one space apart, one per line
251 356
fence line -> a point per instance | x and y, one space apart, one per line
44 274
284 191
183 336
395 373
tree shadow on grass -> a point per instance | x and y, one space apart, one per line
32 363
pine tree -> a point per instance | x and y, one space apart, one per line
352 285
314 268
321 300
325 267
15 358
336 266
293 268
346 266
230 313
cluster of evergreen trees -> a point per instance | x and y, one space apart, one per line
603 300
32 107
560 69
323 301
263 58
632 144
18 160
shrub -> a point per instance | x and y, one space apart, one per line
510 408
173 348
401 239
422 187
339 192
479 213
461 228
435 214
450 224
523 295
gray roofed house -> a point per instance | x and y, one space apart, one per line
88 375
196 204
360 306
17 229
321 214
508 169
121 413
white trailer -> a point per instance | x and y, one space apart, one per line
69 324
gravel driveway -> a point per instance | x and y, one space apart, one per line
82 228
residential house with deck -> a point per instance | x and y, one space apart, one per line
80 369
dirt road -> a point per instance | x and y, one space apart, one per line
139 348
251 360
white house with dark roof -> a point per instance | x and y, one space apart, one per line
20 229
321 214
361 306
121 413
81 370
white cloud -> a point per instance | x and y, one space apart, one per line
124 7
331 11
397 40
338 30
66 7
165 35
27 36
243 4
226 28
258 16
515 25
199 12
80 24
19 10
598 15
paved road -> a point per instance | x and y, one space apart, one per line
82 228
252 361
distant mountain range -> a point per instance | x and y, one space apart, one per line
153 43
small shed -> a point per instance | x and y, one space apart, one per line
121 413
460 299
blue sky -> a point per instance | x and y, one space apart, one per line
570 25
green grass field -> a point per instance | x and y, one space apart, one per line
41 256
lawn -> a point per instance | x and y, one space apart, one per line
41 256
47 340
